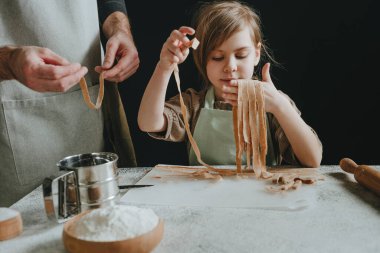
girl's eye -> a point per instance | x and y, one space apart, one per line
241 56
215 58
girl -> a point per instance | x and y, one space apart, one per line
231 46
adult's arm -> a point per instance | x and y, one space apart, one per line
107 7
120 48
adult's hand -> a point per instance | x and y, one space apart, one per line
42 70
119 47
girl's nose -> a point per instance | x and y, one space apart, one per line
230 66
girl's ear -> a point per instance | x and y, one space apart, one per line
257 53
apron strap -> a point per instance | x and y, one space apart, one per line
210 98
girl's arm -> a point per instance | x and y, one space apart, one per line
174 51
151 113
304 142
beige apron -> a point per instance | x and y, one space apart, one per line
38 129
215 137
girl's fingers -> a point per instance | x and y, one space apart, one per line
266 74
179 39
175 49
173 56
230 89
186 30
230 96
234 83
181 54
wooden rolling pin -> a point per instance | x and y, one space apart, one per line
365 175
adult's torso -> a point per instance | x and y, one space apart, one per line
38 129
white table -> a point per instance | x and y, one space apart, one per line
345 218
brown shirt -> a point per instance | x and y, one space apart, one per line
194 102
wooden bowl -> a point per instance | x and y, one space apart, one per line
11 227
140 244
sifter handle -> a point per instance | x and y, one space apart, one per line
61 196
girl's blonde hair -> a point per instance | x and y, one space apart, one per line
216 21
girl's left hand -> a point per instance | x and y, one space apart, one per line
272 97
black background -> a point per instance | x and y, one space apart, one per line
329 55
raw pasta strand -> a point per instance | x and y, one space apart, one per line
86 95
240 144
254 131
236 136
184 113
246 128
246 132
262 126
251 124
187 127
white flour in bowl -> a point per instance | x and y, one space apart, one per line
115 223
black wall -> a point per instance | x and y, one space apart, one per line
329 55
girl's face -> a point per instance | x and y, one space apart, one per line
234 59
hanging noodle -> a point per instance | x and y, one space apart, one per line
86 96
194 44
250 127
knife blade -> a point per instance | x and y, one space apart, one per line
129 186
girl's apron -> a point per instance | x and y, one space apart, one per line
215 136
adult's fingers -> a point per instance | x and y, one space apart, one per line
65 83
52 72
132 67
50 57
111 51
128 59
120 73
124 75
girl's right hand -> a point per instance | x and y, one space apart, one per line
176 48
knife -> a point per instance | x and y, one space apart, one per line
128 186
